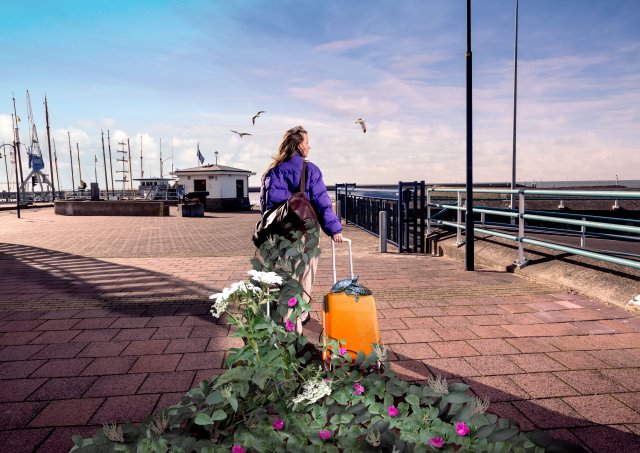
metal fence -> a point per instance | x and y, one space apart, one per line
411 217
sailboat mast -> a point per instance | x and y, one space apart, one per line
46 114
113 187
141 166
130 171
16 136
79 167
73 181
161 157
104 164
55 158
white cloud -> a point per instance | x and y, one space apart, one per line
346 44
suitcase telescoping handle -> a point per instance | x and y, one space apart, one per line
333 255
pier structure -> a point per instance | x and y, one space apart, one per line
105 326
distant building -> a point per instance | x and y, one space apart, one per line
228 187
154 188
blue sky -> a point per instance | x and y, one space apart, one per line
189 71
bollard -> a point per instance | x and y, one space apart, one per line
382 222
95 191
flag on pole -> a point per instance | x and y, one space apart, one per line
200 156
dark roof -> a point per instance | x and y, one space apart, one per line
212 169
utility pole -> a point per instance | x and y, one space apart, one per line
53 184
104 164
73 181
95 167
161 157
113 187
172 155
469 230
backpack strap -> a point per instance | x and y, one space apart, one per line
303 177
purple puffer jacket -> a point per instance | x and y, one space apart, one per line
283 180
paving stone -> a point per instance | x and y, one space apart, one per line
55 336
453 349
543 385
103 349
577 360
119 409
94 323
418 335
59 314
628 378
496 388
534 363
550 413
607 439
60 439
62 388
109 365
142 334
492 346
19 368
196 360
95 335
531 345
60 351
461 333
391 337
416 351
23 440
172 332
508 411
61 367
214 330
493 365
631 399
18 352
410 370
17 338
24 315
166 321
589 382
541 330
450 367
21 326
67 412
177 381
490 331
118 384
130 323
156 363
205 374
19 389
17 415
187 345
168 399
226 343
603 409
145 347
57 324
619 358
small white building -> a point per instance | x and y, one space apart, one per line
228 187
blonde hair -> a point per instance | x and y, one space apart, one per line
289 146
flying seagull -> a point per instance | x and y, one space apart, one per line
361 122
253 120
241 134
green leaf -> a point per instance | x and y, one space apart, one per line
458 397
234 404
203 419
412 400
292 252
214 398
485 431
219 415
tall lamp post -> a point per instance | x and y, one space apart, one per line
512 204
15 160
469 230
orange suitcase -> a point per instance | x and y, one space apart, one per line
344 318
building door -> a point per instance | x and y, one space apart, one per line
199 185
239 188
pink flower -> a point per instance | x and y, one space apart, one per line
343 351
392 411
358 389
324 434
289 325
436 441
278 424
462 429
237 449
293 301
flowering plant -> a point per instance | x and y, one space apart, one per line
277 395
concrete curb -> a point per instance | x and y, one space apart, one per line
609 283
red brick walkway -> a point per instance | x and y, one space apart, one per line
105 319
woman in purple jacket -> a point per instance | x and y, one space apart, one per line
282 178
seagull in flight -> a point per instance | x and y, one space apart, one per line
361 122
253 120
241 134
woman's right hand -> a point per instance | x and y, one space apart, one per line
337 237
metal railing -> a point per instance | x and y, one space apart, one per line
411 218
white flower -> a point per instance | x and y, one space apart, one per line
313 391
269 278
219 306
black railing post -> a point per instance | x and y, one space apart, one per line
400 219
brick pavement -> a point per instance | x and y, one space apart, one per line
104 319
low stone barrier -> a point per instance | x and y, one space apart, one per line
112 208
